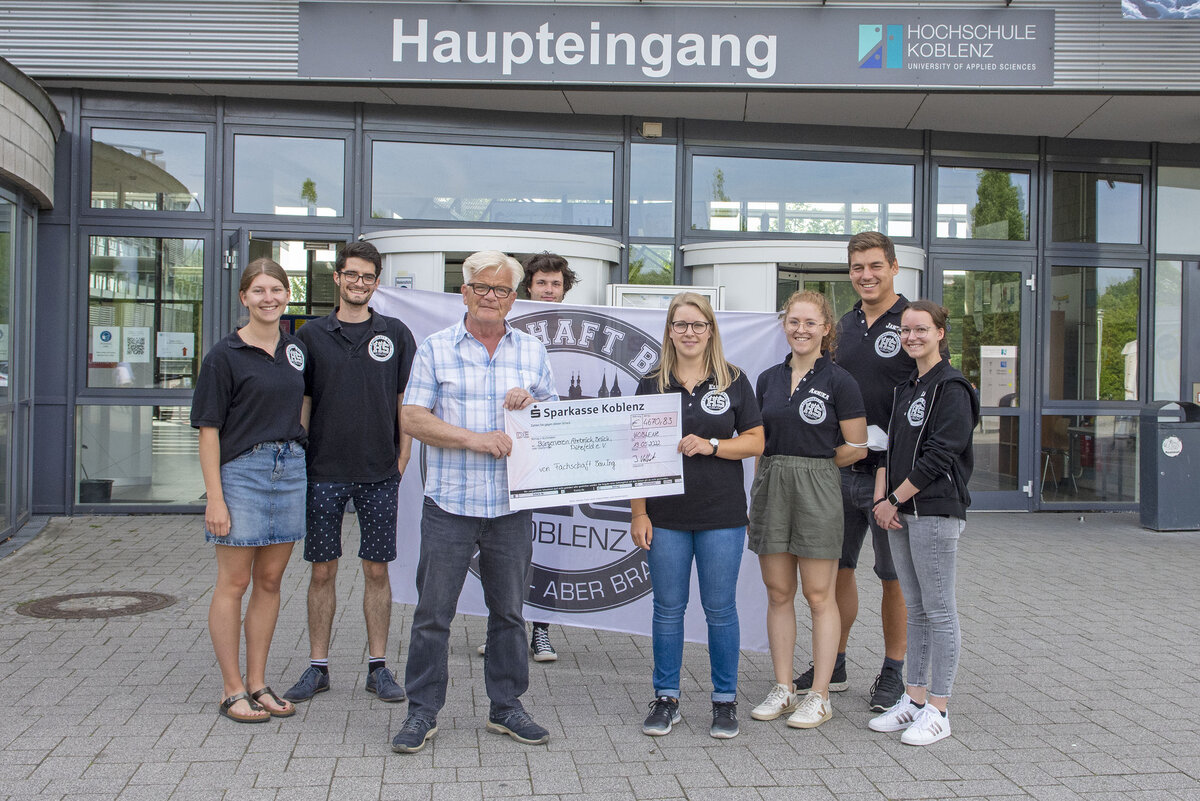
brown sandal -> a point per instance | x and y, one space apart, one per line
225 709
287 712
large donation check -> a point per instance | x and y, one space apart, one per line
583 451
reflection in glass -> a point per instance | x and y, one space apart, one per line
288 175
1093 324
5 447
652 190
1168 316
1088 458
801 197
985 330
422 181
147 170
137 454
309 266
1178 209
834 284
1097 207
975 203
8 221
997 446
651 264
145 304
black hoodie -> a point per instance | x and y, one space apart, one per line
930 441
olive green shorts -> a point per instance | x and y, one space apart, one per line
796 507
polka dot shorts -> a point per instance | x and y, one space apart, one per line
376 506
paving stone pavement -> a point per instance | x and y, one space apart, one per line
1079 678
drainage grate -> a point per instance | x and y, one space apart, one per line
95 605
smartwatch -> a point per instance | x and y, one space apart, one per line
713 442
893 500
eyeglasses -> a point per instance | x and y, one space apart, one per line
367 278
920 331
681 326
501 292
807 325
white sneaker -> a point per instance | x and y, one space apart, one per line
898 718
780 700
481 650
929 727
812 712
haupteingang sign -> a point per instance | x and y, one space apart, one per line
675 44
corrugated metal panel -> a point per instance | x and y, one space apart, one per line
1095 49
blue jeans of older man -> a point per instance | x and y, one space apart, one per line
448 543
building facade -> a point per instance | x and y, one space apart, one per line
1036 162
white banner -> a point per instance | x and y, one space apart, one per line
586 570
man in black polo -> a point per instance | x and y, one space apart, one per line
354 385
868 347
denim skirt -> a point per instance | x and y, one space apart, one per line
796 507
264 490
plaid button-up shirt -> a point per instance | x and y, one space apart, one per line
453 376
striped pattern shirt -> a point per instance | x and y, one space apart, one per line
453 376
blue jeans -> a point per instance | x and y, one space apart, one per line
448 542
718 555
925 552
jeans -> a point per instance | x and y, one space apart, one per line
925 552
858 495
448 542
718 555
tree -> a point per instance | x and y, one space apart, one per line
1119 304
999 214
308 191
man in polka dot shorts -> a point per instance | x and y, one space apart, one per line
358 364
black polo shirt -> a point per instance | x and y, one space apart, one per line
250 396
876 360
354 379
714 488
807 422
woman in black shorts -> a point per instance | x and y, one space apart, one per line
809 406
247 406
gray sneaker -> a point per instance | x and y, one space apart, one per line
518 725
381 682
664 713
312 681
413 735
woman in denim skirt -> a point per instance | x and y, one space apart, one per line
248 404
922 499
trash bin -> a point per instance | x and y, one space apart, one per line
1169 448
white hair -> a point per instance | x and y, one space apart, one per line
492 260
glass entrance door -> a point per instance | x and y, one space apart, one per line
990 336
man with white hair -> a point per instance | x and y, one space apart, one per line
462 379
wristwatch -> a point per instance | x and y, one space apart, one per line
713 442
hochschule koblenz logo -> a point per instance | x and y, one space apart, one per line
585 559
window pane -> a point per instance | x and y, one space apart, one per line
147 170
1097 207
997 454
309 266
145 305
651 264
982 204
420 181
1178 210
652 190
1093 353
1089 458
137 454
801 197
1168 316
8 221
288 175
985 330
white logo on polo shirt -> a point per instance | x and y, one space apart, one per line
380 348
812 410
888 344
916 412
714 402
295 356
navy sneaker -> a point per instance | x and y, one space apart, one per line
724 720
413 735
518 725
664 713
312 681
381 682
887 689
837 682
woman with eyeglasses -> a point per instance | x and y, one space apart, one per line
721 426
922 501
247 405
815 423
